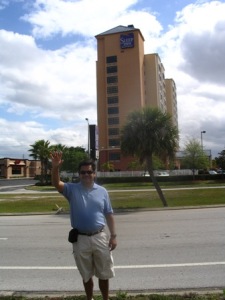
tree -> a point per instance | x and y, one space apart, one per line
72 156
41 150
149 132
220 161
58 147
134 165
158 162
108 167
194 156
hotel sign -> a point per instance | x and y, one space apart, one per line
127 40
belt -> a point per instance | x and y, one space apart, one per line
91 233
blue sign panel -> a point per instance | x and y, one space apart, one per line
127 40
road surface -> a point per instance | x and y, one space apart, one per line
157 251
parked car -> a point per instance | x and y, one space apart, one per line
163 173
146 174
158 173
220 171
212 172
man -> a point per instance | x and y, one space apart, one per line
90 210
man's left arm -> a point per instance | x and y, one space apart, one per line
111 225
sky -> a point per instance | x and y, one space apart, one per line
48 66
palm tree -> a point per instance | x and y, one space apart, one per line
57 147
41 150
149 132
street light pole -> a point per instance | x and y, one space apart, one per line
201 138
88 137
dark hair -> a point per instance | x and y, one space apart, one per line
88 162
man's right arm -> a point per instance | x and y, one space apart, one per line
56 163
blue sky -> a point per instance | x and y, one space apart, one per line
47 66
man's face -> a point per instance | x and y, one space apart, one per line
87 175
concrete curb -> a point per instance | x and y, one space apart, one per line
118 211
64 294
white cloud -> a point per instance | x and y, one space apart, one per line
48 80
192 52
202 42
17 136
78 17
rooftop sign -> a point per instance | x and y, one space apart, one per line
127 40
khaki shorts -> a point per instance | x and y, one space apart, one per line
93 257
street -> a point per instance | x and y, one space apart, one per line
157 250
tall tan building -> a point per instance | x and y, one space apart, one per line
155 82
127 80
171 99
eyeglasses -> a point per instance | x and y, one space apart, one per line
86 172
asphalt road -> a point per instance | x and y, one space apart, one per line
157 251
14 185
17 182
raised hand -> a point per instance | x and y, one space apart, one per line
56 157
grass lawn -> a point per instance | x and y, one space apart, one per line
122 197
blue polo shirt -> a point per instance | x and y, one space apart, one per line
88 207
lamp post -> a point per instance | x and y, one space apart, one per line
201 138
88 137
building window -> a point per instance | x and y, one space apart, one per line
112 79
114 156
114 142
111 69
113 100
113 121
113 110
112 89
111 59
113 131
16 170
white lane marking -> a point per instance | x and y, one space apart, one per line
116 267
171 265
3 239
36 268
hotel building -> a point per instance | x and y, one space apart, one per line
127 80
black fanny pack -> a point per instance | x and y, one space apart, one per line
73 234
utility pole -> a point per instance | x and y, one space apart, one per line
88 137
201 138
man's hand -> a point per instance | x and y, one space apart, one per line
112 243
56 158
